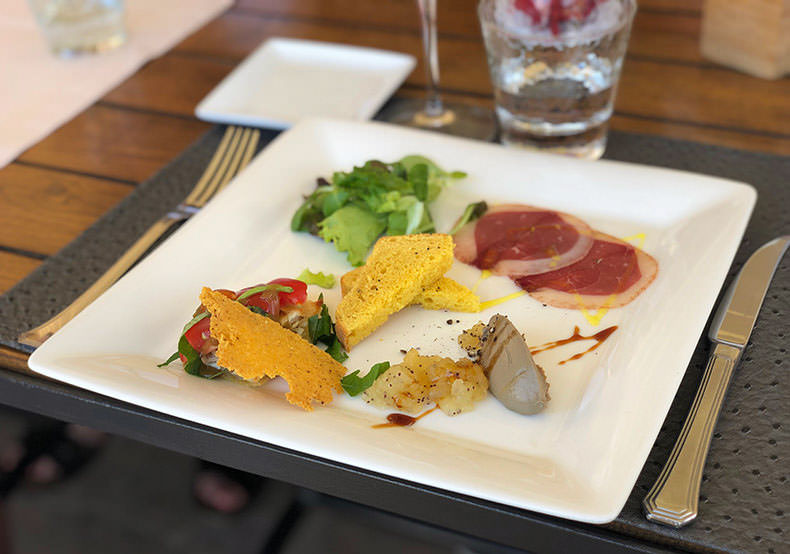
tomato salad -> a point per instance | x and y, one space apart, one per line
283 300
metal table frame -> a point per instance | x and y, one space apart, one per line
462 514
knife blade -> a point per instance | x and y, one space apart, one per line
674 498
739 307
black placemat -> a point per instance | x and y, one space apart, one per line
744 491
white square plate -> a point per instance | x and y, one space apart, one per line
578 459
285 80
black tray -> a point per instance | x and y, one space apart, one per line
744 491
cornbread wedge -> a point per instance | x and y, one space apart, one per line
253 346
444 294
396 272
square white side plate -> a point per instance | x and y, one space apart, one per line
578 459
285 80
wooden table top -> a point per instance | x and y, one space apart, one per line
61 185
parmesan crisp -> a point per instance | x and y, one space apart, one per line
253 346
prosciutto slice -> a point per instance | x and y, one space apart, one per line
610 275
518 240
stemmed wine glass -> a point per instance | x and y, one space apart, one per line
431 113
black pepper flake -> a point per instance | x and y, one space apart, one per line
403 351
449 322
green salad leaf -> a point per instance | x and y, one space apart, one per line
321 329
357 207
336 351
353 229
173 357
323 280
320 326
353 384
437 178
194 365
473 211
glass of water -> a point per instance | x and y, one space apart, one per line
555 65
75 27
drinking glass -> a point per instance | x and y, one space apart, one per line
432 113
555 66
80 26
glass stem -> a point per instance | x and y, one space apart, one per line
433 104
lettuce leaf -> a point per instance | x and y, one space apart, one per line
436 178
323 280
352 230
359 205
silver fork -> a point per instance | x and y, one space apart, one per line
233 153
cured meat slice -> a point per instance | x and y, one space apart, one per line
518 240
611 275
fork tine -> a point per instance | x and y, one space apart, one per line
238 141
248 153
234 151
234 166
211 169
251 149
245 154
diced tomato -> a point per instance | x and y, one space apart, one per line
268 301
298 295
199 333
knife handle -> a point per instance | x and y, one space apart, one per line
36 336
674 498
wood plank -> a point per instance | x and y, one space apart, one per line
704 95
14 268
453 17
666 36
42 210
182 99
660 35
171 84
458 17
672 5
123 144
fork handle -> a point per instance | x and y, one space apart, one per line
36 336
674 498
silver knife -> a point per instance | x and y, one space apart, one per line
674 498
